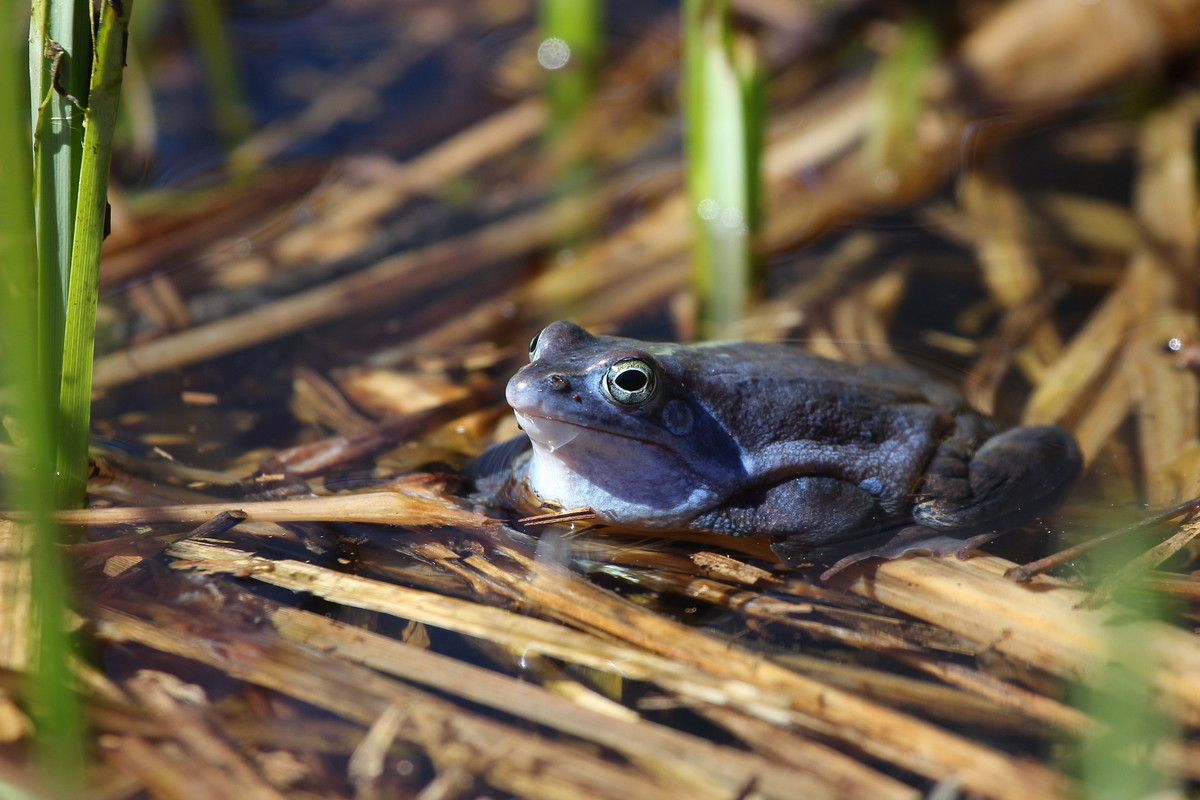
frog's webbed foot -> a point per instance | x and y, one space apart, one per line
1010 481
910 540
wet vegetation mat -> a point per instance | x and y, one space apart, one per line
323 271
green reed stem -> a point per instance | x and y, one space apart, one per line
59 64
724 106
206 19
31 302
84 286
569 51
50 249
897 85
571 79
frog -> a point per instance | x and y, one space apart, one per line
835 462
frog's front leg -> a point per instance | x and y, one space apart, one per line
1011 480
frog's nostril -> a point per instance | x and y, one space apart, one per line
558 383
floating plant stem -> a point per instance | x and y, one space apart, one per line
724 106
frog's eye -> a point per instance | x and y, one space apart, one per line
533 343
630 382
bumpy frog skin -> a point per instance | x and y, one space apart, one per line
837 461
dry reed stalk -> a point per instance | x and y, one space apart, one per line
1039 623
1047 710
659 749
506 628
511 759
1034 54
355 92
1167 406
1091 222
1118 350
1090 355
1010 270
361 446
1167 205
143 248
859 317
816 137
804 754
881 732
971 707
181 709
165 774
350 213
16 574
15 724
656 649
404 507
369 760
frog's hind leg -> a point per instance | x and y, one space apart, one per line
969 500
1011 480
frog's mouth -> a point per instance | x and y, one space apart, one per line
553 434
549 433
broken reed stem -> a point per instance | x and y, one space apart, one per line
384 508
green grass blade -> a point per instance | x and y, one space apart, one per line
32 396
724 105
59 64
83 292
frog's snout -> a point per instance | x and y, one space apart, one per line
526 390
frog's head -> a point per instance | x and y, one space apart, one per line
614 425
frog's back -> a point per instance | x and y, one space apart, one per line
776 392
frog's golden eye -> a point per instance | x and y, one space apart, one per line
533 343
630 382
